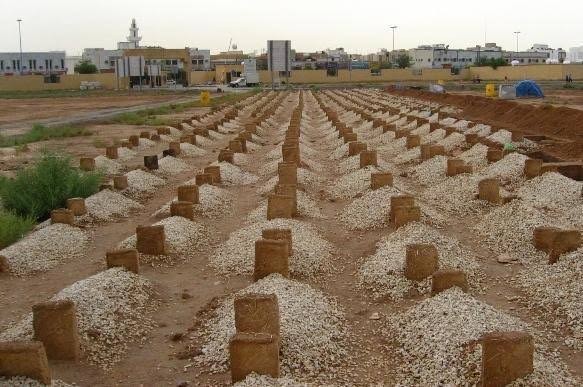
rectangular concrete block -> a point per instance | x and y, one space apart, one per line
271 256
489 190
215 171
55 325
77 206
87 164
444 279
257 313
227 156
368 158
25 358
126 258
405 215
151 162
421 261
279 234
151 240
381 179
204 178
183 209
506 356
280 206
253 353
288 173
188 193
62 215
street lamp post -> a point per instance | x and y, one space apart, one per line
517 33
393 28
20 42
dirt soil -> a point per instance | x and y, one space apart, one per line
561 123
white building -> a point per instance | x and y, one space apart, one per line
71 62
575 54
43 63
200 59
553 55
105 59
279 56
441 56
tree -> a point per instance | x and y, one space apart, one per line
403 61
492 62
85 67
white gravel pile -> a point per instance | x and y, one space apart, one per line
456 195
557 289
23 381
438 343
430 171
308 151
475 156
254 380
502 137
241 159
383 272
371 211
311 253
352 184
183 238
203 141
408 156
233 175
145 143
171 166
307 207
270 168
509 170
552 191
113 309
214 202
348 165
313 337
46 248
166 138
394 148
190 150
141 182
124 153
452 141
106 205
422 130
509 228
433 137
216 135
385 138
274 154
108 166
339 152
308 179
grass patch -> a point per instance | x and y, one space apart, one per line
43 133
13 227
47 185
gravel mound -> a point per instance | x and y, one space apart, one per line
307 207
311 253
171 166
308 179
352 184
502 137
408 156
456 196
124 153
203 141
254 380
190 150
556 290
214 202
183 238
145 143
430 171
313 337
552 191
509 170
241 159
106 205
46 248
141 182
437 340
340 152
476 156
23 381
383 272
108 166
233 175
371 211
112 311
452 141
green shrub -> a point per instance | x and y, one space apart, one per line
46 186
42 133
13 227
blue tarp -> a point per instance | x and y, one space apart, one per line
528 89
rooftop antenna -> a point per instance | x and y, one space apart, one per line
229 47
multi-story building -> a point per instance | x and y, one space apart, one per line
42 63
553 55
441 56
526 57
200 59
279 56
575 54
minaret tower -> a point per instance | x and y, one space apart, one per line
134 39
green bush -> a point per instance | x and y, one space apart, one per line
42 133
46 186
13 227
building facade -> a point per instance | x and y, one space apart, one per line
40 63
439 56
200 59
575 55
279 56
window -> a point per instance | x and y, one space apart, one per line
63 63
174 62
1 65
47 64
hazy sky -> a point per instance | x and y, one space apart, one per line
358 26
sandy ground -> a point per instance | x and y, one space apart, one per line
155 363
567 98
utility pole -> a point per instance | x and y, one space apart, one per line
393 28
20 41
516 33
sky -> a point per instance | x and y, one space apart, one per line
359 26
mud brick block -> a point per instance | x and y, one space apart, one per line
184 209
400 133
145 134
271 256
449 131
543 237
87 163
401 201
62 215
465 169
421 261
253 353
377 123
532 168
288 173
413 140
425 151
257 313
174 146
227 156
289 190
215 172
517 136
25 358
349 137
565 241
77 206
494 155
279 234
111 152
134 140
168 152
405 215
472 138
433 126
436 150
4 265
454 166
389 128
164 130
188 193
204 178
280 206
243 143
151 240
235 146
489 190
448 278
291 154
506 356
355 147
55 325
126 144
188 139
126 258
155 137
120 182
381 179
151 162
368 158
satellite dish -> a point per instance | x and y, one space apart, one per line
234 46
515 62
